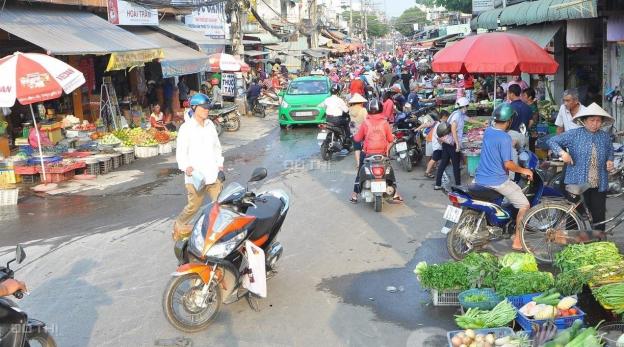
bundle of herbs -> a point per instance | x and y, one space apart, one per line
580 255
509 283
477 270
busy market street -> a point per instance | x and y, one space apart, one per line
312 173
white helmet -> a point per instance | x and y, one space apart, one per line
462 102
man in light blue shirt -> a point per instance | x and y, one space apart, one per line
496 162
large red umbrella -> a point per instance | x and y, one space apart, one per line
495 53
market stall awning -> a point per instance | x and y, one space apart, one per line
265 39
204 43
78 33
254 53
540 11
179 59
314 54
542 34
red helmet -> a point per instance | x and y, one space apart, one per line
214 81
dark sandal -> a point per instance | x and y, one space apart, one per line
353 200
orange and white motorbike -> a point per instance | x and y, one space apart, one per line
231 252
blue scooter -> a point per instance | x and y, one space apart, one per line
479 215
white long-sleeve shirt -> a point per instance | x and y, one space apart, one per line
199 148
334 106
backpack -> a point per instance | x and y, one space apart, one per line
375 133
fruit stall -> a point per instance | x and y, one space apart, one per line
511 301
79 151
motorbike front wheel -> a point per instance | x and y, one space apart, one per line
378 203
40 338
325 153
233 124
455 244
185 306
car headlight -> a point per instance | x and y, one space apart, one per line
224 247
284 104
197 237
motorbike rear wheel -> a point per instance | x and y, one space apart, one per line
233 123
186 301
40 338
325 153
378 203
259 110
455 243
407 164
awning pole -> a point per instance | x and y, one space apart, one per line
38 144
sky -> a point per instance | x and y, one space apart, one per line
394 8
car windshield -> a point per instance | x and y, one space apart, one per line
307 87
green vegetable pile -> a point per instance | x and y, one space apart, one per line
476 298
511 283
475 271
519 262
499 316
611 296
579 255
571 282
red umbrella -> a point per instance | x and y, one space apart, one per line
495 53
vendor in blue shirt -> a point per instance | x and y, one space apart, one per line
412 98
496 162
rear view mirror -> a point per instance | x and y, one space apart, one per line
258 174
20 255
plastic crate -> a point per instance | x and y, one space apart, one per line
165 148
59 177
561 322
8 197
106 166
145 152
116 161
127 158
92 169
30 178
492 301
498 332
520 300
445 298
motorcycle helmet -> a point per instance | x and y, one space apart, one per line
443 129
335 89
374 106
504 113
462 102
200 99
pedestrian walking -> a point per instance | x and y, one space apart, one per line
199 155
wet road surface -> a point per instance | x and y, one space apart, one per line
98 262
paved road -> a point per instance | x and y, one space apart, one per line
98 261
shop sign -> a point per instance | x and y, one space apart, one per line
208 19
228 84
127 13
479 6
125 60
458 29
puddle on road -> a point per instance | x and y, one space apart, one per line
410 308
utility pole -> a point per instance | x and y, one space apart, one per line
351 18
365 25
314 20
238 18
362 20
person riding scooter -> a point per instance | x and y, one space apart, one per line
335 110
376 136
496 162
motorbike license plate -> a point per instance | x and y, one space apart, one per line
378 186
401 146
452 213
322 135
305 114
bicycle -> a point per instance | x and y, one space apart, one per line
551 225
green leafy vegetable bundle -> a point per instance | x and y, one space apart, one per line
519 262
579 255
499 316
611 296
510 283
476 270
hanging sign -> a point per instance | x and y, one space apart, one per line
479 6
127 13
208 19
228 84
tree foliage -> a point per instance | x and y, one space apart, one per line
405 23
376 28
464 6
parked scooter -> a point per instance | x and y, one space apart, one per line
226 118
409 147
478 216
377 181
16 329
333 138
231 252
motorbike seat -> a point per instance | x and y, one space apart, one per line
267 212
478 192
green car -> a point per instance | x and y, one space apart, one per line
301 100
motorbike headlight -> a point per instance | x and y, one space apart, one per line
226 245
284 104
197 237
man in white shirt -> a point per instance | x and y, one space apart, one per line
571 106
199 155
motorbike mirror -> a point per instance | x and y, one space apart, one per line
258 174
20 255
